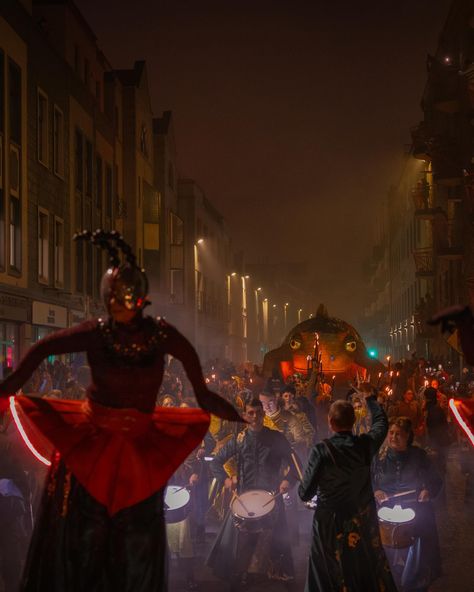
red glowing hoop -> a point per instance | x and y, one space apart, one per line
23 434
461 421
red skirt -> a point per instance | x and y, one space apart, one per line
121 456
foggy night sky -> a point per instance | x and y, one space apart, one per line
293 116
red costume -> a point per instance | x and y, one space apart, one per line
118 445
101 522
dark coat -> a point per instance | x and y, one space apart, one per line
262 458
346 553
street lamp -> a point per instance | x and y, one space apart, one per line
300 310
285 308
200 241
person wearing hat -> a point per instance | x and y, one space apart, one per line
101 521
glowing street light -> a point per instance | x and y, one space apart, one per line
200 241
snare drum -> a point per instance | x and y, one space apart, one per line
177 503
397 526
253 510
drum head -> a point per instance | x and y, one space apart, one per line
176 497
253 504
396 515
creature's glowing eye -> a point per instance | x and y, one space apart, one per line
351 346
295 343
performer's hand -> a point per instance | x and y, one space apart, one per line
200 454
380 496
230 483
284 486
424 496
216 405
193 479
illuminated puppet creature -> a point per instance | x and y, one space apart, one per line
331 343
101 521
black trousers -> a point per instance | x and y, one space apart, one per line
78 547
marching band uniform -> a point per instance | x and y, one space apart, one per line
261 458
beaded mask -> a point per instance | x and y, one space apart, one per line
123 283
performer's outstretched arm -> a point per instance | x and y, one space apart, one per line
379 428
179 347
75 339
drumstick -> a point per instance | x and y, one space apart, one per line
402 493
297 466
272 498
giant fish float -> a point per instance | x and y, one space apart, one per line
331 343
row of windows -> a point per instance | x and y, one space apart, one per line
93 177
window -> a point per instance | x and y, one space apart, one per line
108 191
88 169
144 141
43 246
99 269
2 208
78 161
58 253
176 242
2 92
89 268
15 234
58 142
42 127
79 266
14 101
99 182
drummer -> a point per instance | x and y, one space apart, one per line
403 467
264 462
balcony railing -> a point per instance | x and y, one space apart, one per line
424 262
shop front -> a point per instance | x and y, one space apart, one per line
46 319
13 315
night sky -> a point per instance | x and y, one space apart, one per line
293 116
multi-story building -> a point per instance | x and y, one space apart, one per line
207 258
443 199
79 148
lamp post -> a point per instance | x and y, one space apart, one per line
285 308
300 310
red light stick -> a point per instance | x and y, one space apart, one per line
26 440
460 420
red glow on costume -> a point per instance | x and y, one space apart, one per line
459 418
26 440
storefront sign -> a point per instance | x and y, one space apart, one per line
49 315
13 308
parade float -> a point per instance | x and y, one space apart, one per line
326 345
